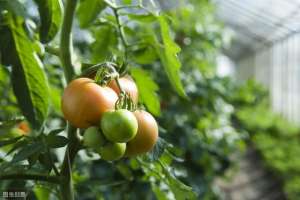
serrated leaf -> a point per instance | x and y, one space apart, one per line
168 56
50 14
147 90
56 141
28 78
88 11
9 141
28 150
179 189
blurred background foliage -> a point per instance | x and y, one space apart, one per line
208 120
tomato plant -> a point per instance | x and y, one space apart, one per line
178 150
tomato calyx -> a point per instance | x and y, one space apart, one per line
125 102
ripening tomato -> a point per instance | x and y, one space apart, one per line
84 102
128 85
146 136
24 128
93 137
119 126
112 151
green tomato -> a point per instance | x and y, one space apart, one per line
112 151
93 137
119 126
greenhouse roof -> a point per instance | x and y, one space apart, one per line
258 23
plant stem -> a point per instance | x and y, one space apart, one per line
66 170
36 177
120 31
66 60
66 41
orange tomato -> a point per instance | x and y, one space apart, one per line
24 127
84 102
146 136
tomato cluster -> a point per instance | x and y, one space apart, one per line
113 133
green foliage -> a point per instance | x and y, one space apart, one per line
28 79
274 137
147 90
168 56
50 14
88 11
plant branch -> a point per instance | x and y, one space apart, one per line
36 177
120 31
66 60
66 171
66 39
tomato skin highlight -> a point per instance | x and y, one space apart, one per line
84 102
119 126
128 85
93 137
112 151
146 136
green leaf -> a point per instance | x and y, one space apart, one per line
88 11
9 141
16 146
157 150
28 79
168 56
145 55
28 150
56 131
42 193
179 189
56 141
45 161
144 18
147 90
105 39
50 14
127 2
160 195
13 6
6 58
